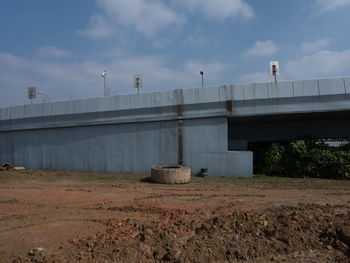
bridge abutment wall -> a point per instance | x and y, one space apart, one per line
124 134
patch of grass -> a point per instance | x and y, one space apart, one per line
125 178
91 178
265 176
261 181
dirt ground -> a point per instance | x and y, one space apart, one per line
52 216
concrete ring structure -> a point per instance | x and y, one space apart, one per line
170 174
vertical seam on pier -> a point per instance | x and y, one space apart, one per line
268 93
243 93
179 134
229 99
229 108
180 142
179 109
344 86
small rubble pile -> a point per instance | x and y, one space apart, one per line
8 166
5 166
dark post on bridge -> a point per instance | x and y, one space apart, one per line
202 73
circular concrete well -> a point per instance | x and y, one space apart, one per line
170 174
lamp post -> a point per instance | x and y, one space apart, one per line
202 73
104 76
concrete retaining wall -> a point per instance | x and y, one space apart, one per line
113 148
127 148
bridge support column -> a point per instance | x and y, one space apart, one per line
205 145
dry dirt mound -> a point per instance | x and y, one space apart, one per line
306 233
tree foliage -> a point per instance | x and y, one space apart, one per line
304 158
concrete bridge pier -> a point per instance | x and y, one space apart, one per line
206 146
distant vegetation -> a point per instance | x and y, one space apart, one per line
302 158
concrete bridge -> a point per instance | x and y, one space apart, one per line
199 127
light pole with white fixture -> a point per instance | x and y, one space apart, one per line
104 76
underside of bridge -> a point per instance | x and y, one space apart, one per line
268 128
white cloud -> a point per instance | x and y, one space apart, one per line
219 9
261 48
56 79
196 40
315 46
61 80
98 27
256 77
52 52
321 64
325 6
148 17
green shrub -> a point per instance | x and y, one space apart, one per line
307 158
259 150
273 160
330 164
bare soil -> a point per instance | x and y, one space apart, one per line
52 216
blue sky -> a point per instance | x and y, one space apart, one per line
61 47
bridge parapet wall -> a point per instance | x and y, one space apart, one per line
245 99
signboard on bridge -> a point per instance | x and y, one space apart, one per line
138 81
274 68
31 93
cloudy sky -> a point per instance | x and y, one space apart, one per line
61 47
